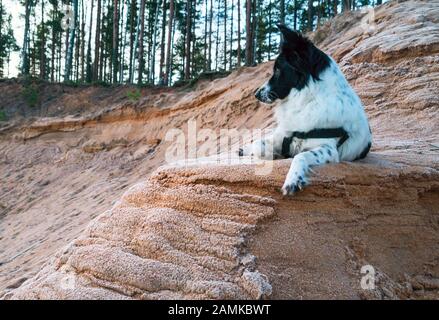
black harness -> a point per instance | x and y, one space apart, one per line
314 134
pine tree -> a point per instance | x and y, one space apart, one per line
239 35
133 36
7 40
282 11
89 71
96 75
209 59
140 35
169 43
115 46
69 57
347 5
154 40
176 42
187 65
162 44
231 37
217 38
28 5
225 36
205 34
249 34
310 15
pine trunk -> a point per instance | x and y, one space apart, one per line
194 37
82 42
282 11
123 36
269 33
154 46
25 47
43 46
171 62
295 14
115 47
249 37
225 35
142 30
169 42
205 35
162 45
97 43
254 31
89 73
69 58
239 34
231 37
187 70
217 36
53 44
209 59
310 15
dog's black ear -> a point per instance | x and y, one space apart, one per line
292 41
284 33
288 35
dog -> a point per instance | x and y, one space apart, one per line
320 118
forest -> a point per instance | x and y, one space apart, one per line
159 42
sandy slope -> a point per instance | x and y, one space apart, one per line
214 231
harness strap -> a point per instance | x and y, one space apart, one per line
314 134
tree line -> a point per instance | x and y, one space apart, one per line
153 42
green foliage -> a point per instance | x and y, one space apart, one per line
103 84
30 94
134 95
3 116
7 40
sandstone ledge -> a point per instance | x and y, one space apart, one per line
223 232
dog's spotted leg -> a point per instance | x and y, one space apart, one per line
297 175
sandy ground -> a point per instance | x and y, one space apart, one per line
222 231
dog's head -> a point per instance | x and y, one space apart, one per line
298 62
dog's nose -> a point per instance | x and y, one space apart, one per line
258 94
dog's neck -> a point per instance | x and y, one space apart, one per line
330 84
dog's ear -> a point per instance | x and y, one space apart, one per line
288 35
291 40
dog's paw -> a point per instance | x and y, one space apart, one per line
250 150
258 149
293 185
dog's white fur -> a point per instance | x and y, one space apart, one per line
326 103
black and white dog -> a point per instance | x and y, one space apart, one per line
320 118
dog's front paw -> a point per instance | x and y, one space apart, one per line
244 152
293 185
258 149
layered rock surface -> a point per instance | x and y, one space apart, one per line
223 231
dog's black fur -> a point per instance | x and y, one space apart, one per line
298 62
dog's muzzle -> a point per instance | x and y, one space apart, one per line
264 95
